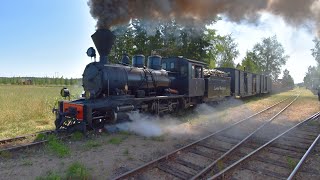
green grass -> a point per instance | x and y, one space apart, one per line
77 136
41 137
220 165
116 140
5 154
27 163
271 97
57 147
77 171
50 176
126 152
313 123
125 133
291 163
92 144
28 109
158 138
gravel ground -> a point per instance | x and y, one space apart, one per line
107 160
311 164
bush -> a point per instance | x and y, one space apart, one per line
77 171
57 147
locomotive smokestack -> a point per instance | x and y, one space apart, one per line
103 39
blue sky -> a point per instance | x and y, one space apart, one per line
50 38
39 38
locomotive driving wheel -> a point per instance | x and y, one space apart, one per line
112 117
98 120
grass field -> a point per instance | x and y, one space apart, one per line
27 109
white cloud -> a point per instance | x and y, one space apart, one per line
296 41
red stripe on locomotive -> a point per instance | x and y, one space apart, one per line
79 108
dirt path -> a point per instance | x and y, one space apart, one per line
107 156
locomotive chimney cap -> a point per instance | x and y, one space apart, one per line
103 39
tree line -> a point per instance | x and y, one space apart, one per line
196 42
312 77
40 81
173 39
199 43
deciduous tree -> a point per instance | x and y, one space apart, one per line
316 50
249 63
227 51
287 80
270 56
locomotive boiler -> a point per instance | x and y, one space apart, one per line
101 79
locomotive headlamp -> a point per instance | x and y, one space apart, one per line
65 92
91 52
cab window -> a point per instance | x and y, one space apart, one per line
184 71
172 65
164 66
196 71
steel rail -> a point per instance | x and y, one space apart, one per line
294 172
29 144
210 166
3 141
14 148
172 154
261 147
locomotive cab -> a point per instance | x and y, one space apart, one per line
186 75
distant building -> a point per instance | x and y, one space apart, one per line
26 82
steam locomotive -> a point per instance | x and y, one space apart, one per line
166 85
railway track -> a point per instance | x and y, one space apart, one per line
25 141
279 158
196 160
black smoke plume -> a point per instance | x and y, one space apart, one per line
114 12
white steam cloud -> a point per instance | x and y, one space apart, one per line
204 119
148 125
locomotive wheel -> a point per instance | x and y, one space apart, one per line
182 104
111 117
170 106
97 124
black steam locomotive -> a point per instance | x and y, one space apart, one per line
164 86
